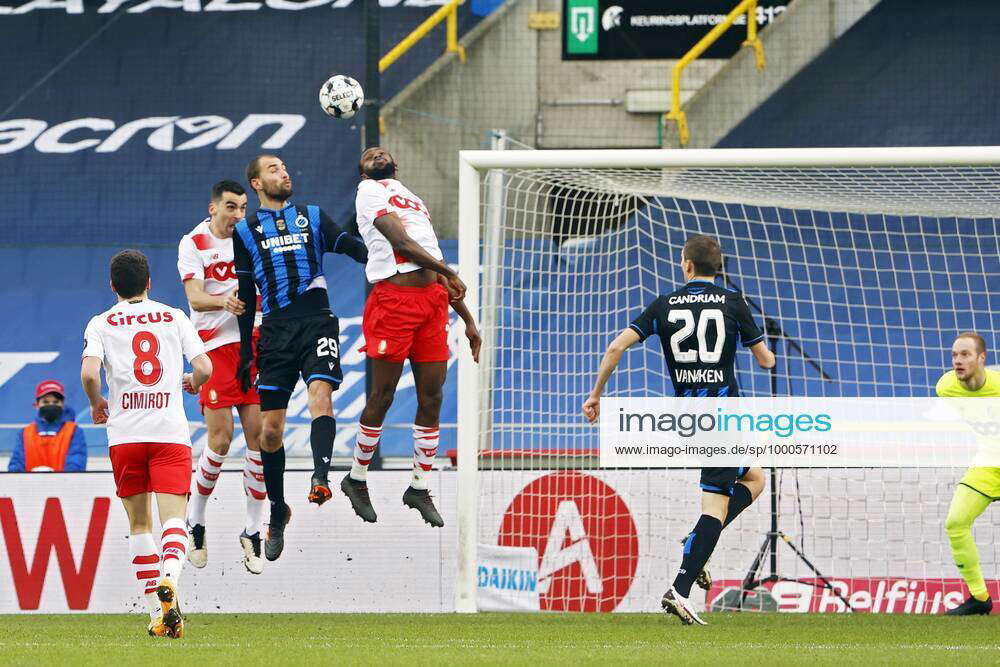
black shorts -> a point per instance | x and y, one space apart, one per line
721 480
306 345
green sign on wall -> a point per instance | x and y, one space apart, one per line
581 26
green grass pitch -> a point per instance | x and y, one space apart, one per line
757 640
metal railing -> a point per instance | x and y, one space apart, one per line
447 12
748 7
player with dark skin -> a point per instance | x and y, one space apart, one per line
428 376
413 323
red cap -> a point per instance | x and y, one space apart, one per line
49 387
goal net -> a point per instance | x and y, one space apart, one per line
864 264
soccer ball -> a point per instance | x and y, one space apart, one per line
341 96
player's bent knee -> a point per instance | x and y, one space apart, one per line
219 442
430 400
270 440
381 400
320 403
755 481
957 526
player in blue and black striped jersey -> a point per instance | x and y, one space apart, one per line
280 249
699 326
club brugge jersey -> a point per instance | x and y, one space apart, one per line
699 326
283 251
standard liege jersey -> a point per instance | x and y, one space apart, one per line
378 198
699 326
203 256
142 345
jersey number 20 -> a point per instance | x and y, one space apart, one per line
688 325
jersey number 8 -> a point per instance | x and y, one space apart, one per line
146 346
687 320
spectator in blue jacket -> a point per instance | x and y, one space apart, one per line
53 441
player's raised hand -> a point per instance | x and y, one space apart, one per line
475 341
233 305
99 411
187 382
592 409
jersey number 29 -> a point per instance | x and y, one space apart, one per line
327 346
688 325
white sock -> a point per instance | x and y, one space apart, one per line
146 565
205 477
364 450
425 447
173 545
253 486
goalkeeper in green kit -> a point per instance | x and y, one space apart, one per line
980 485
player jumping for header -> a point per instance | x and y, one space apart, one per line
406 317
205 263
280 249
142 344
700 365
980 486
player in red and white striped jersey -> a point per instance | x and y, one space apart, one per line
205 264
406 317
142 344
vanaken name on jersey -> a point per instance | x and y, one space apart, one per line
702 375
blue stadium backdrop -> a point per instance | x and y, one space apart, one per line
115 119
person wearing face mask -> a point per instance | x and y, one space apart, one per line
52 442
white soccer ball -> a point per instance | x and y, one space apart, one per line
341 96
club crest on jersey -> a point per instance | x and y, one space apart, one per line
280 223
301 221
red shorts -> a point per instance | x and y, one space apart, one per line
406 323
157 467
223 389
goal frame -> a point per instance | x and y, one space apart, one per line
473 164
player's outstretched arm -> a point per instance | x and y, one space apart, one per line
247 294
762 353
625 340
335 239
392 229
471 330
90 378
201 301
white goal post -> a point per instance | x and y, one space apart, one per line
571 215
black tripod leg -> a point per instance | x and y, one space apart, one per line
751 578
819 575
